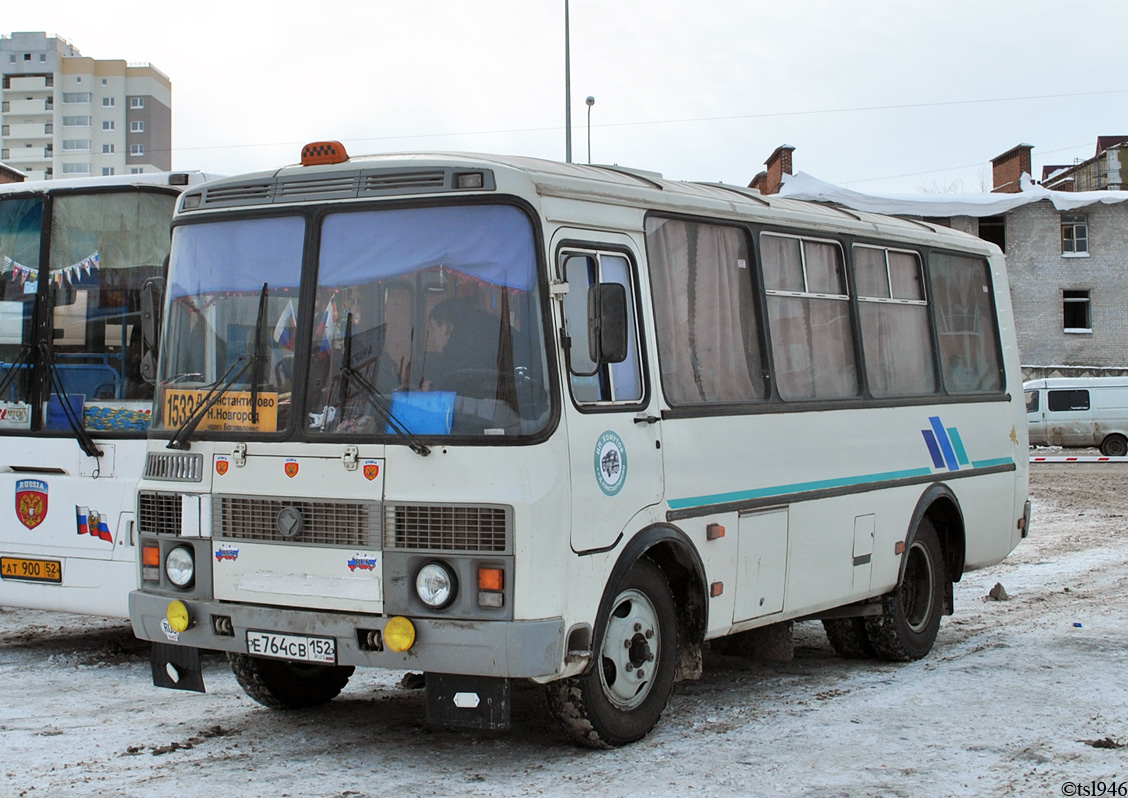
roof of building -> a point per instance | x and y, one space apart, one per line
805 187
1108 142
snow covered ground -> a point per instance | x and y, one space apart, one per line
1018 697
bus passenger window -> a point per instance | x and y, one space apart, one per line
809 319
894 317
708 327
965 324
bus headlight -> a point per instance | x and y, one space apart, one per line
435 585
180 566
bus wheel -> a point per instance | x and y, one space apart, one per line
279 684
910 615
624 694
1114 446
848 637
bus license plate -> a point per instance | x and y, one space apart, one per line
31 570
292 647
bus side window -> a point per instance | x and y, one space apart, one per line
599 382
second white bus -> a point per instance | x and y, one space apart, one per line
74 407
497 419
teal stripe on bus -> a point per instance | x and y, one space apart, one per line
819 484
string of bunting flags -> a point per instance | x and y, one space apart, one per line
71 274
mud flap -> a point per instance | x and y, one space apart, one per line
177 667
472 702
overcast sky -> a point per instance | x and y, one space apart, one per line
879 95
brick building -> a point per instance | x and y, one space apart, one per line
1066 248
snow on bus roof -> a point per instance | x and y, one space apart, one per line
805 187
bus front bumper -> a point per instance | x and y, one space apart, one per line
510 649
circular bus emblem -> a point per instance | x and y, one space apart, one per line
290 522
610 463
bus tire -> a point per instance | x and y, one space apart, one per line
279 684
1114 446
848 637
910 614
612 704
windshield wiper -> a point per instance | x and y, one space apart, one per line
179 440
379 401
256 357
81 434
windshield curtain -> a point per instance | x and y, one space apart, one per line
441 311
218 274
20 225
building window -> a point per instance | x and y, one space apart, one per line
76 145
107 170
76 121
76 169
1076 311
136 127
104 81
107 149
107 102
136 149
77 97
1074 236
994 229
108 124
136 170
136 102
43 58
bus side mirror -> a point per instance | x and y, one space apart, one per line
607 323
152 299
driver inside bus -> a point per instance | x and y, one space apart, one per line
461 351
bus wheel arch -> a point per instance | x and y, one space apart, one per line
933 558
650 620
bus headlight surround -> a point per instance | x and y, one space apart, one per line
435 584
180 566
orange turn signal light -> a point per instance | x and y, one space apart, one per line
151 555
491 579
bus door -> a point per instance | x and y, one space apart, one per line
613 435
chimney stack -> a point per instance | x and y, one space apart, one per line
779 164
1007 169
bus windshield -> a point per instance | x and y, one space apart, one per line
437 311
424 320
103 248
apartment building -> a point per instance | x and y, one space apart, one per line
65 115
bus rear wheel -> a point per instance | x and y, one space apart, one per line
910 614
622 697
280 684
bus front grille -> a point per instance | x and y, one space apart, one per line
158 513
435 527
322 523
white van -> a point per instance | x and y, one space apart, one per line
1079 411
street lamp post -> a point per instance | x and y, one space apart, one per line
567 90
590 103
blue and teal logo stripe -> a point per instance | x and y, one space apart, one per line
945 445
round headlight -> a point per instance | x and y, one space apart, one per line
435 585
180 566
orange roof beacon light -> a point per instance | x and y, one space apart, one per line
321 152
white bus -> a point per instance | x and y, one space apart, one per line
74 409
497 419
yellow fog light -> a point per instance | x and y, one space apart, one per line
399 634
178 618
